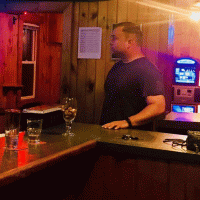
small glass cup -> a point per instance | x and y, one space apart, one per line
34 129
12 127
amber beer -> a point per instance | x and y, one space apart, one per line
69 113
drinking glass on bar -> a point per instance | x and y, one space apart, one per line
69 109
34 129
12 126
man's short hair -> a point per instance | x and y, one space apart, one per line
129 27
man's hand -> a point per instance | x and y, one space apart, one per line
116 125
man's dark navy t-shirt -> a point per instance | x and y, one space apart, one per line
126 88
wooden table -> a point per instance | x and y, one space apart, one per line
98 164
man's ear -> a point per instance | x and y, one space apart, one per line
130 42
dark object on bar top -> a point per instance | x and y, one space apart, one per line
176 142
193 141
129 137
51 115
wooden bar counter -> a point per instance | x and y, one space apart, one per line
98 164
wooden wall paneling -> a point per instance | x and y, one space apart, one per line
101 63
122 11
193 38
43 86
11 44
9 56
74 54
55 39
33 18
3 19
67 52
143 20
132 11
111 178
184 181
165 58
178 36
82 71
178 180
193 182
112 19
185 41
100 180
152 180
91 69
151 35
55 21
54 44
19 60
20 50
142 14
55 69
82 67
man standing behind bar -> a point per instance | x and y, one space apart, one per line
134 92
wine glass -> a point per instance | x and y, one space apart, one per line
69 109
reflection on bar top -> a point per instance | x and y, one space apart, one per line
184 117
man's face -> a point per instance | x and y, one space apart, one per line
118 42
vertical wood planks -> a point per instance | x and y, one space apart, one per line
10 40
2 55
20 50
122 12
73 72
43 87
101 63
132 11
67 49
112 19
178 180
55 69
91 68
152 177
87 76
82 67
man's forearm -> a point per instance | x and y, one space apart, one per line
147 114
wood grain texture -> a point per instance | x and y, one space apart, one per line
87 76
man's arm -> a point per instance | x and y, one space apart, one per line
155 107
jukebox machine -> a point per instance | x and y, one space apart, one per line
186 87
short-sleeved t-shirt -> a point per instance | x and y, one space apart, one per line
126 88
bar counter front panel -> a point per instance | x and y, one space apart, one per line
97 163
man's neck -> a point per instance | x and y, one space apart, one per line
132 57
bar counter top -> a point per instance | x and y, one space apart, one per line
55 147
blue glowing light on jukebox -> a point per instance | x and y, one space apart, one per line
183 108
185 72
